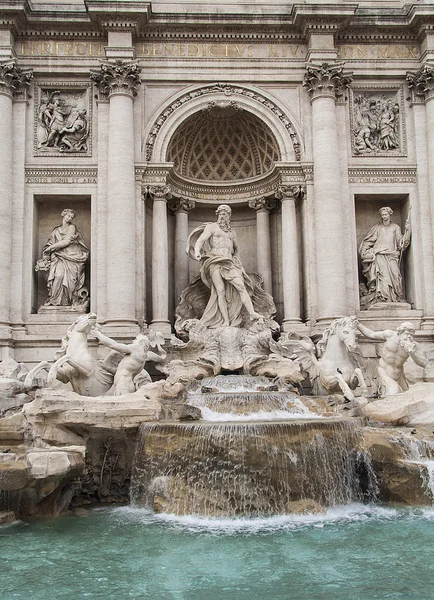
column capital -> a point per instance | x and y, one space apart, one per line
326 80
178 205
160 192
421 84
290 192
263 204
14 80
117 77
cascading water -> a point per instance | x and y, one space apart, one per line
420 453
249 468
246 469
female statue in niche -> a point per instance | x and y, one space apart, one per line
64 257
381 252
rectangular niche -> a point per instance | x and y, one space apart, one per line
48 216
367 215
62 120
377 118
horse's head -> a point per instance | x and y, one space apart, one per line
84 323
346 328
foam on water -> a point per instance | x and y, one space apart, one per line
262 415
355 512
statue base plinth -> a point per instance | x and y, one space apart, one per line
388 315
62 310
390 306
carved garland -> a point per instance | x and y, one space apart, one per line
228 90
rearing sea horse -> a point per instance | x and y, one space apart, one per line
75 364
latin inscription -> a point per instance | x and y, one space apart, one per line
49 48
56 179
378 52
237 51
199 50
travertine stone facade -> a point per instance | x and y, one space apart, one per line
143 117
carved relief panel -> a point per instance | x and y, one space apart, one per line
62 119
377 121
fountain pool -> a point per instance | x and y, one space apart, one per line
355 552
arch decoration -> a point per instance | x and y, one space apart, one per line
227 90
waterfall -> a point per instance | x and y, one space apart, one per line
247 468
247 398
420 453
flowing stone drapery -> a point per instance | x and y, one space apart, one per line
160 259
422 87
181 207
325 83
290 260
12 80
118 81
262 207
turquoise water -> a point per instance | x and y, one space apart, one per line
351 553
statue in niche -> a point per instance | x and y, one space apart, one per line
376 124
130 373
63 126
64 257
398 346
224 295
381 253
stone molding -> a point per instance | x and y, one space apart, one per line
160 192
295 192
228 90
421 84
117 77
262 204
14 81
177 205
326 81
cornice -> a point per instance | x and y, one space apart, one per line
196 19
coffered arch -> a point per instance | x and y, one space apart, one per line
246 100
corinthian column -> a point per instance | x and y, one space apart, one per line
290 262
262 207
12 80
160 259
324 84
118 81
421 85
181 207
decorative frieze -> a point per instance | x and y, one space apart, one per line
421 83
377 123
62 119
14 80
326 81
118 77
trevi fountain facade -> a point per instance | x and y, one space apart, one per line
216 256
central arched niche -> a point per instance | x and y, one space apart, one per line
223 143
